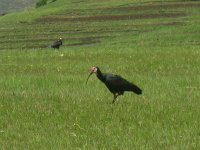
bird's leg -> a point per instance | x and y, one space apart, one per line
114 99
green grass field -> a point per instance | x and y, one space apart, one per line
45 103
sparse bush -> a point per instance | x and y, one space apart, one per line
41 3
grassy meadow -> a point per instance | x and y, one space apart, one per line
45 103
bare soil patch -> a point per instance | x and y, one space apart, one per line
39 43
156 5
111 17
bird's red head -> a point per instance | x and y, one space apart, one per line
92 70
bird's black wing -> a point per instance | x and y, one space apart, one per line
117 83
56 43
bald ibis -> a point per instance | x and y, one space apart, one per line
57 43
115 83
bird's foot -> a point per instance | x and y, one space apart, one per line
114 99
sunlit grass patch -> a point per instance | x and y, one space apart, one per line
46 104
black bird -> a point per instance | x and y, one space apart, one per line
115 83
57 43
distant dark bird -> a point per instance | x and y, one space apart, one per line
115 83
57 43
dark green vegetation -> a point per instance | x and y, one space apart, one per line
43 2
45 103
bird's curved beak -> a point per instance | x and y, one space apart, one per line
89 76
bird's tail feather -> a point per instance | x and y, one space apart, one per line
136 89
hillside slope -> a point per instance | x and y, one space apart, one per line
93 21
69 6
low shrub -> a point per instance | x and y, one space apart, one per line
41 3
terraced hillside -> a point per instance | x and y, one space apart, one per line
92 26
45 103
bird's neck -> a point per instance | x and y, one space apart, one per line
100 76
